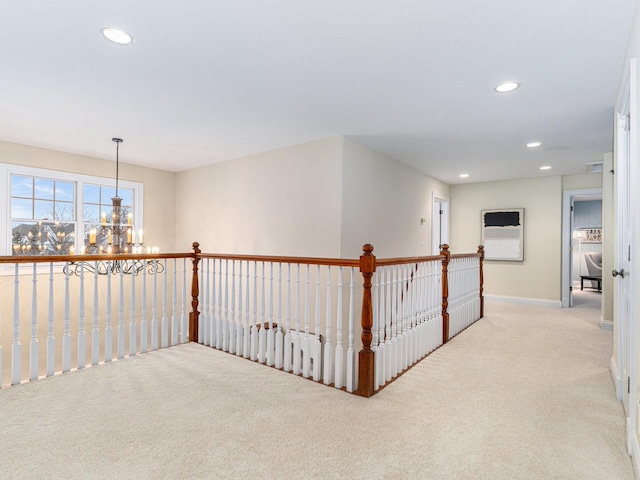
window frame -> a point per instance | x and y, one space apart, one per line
7 169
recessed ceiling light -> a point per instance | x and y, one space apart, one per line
546 167
464 175
534 144
507 87
117 35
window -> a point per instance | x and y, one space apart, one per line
52 213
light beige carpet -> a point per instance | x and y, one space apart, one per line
523 394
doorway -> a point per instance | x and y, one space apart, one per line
439 223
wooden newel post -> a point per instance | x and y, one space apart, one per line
481 252
366 360
445 292
195 292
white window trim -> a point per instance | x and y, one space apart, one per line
6 170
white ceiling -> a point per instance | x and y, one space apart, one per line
209 80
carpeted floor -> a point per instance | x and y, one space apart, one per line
523 394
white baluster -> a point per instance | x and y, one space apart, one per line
380 359
132 318
262 334
164 326
121 315
1 376
287 329
95 331
339 371
328 351
374 328
174 304
51 342
317 347
144 333
82 341
219 319
34 346
270 334
108 331
154 308
297 344
246 348
254 327
183 319
16 347
66 337
225 316
213 320
394 323
306 347
232 314
351 356
279 338
239 324
388 346
204 335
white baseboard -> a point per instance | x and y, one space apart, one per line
606 324
615 376
540 302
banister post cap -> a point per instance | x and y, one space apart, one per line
367 248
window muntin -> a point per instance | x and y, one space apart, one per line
51 203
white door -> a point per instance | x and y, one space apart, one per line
626 149
571 251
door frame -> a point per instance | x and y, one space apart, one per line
442 232
567 224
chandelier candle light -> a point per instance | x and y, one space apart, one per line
120 235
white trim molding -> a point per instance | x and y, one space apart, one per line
540 302
615 376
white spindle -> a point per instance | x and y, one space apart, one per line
16 347
232 312
34 346
339 375
164 326
213 320
51 341
132 318
306 344
394 323
380 358
388 350
254 327
270 334
184 324
108 331
239 324
204 331
350 352
246 348
297 346
174 304
82 338
287 329
219 319
317 347
225 316
66 337
144 333
262 334
121 334
1 375
374 328
95 331
154 308
328 351
279 338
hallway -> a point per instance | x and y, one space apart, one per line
525 393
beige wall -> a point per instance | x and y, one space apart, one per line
159 185
283 202
384 201
608 236
538 276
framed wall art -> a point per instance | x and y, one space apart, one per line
503 234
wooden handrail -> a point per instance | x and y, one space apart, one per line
465 255
337 262
384 262
90 258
